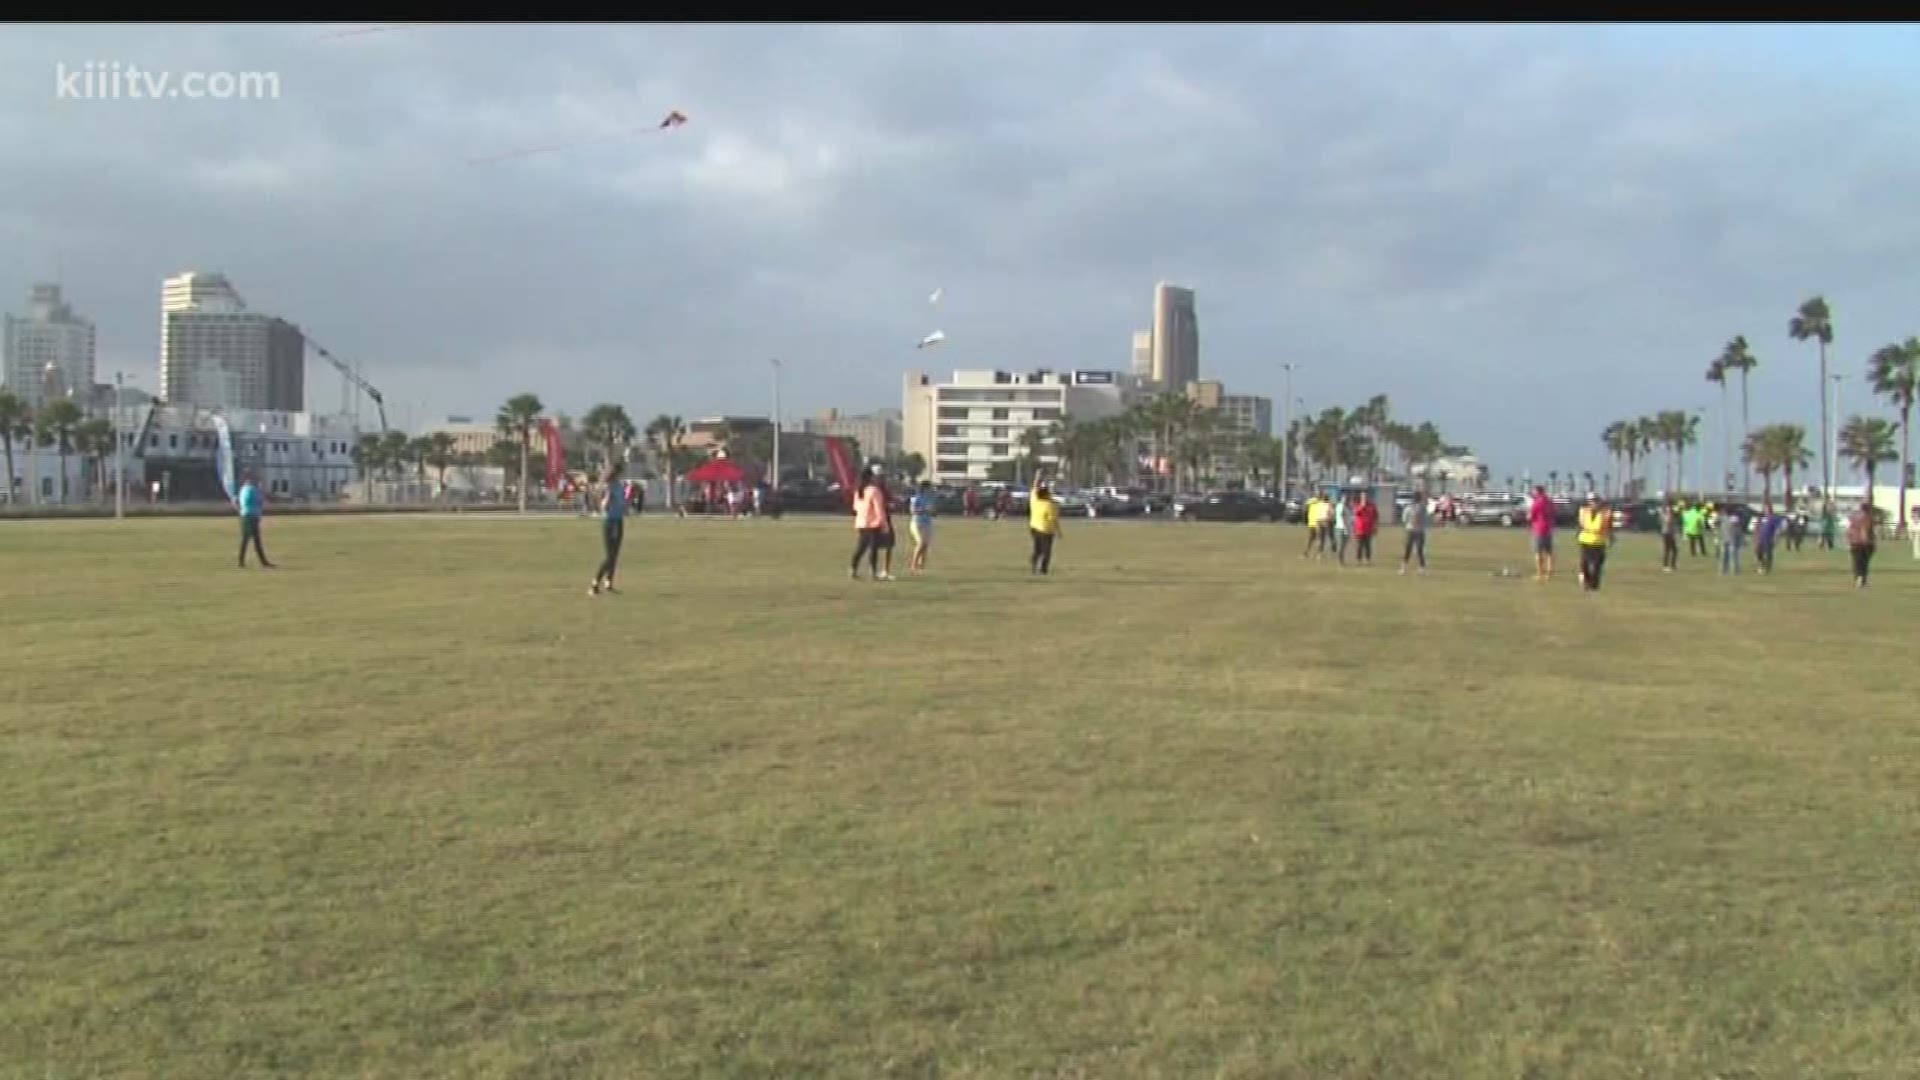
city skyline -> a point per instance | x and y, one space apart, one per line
1472 220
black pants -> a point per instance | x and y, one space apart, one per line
1340 546
611 534
869 544
1416 544
1593 559
1862 556
1763 554
1669 550
1363 549
1042 551
250 533
1696 543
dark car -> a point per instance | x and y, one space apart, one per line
1228 506
813 496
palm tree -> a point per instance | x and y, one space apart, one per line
515 420
368 455
1894 374
610 428
419 449
1814 320
1790 453
439 456
58 421
94 440
1867 441
1717 374
1686 435
1616 438
1033 444
1758 451
666 434
1738 357
16 422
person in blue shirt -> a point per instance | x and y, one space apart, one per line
920 524
251 506
613 529
1765 536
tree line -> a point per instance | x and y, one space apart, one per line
60 424
1865 440
1199 446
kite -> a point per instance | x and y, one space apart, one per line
935 298
935 338
673 119
338 34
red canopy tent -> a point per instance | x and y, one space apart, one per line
717 470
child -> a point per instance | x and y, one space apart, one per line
921 525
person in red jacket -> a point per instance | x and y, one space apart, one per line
1366 522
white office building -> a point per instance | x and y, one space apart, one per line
216 354
49 351
964 426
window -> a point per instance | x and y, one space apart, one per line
1046 414
46 487
1000 433
949 431
153 442
1000 414
173 442
316 448
953 414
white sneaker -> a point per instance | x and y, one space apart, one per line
593 589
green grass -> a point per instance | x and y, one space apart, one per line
415 806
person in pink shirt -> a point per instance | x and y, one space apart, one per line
870 525
1540 520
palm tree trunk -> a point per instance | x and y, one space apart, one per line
1746 427
7 437
1786 496
61 452
1726 432
526 445
1826 437
1907 421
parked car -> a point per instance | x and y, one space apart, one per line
1227 506
1503 510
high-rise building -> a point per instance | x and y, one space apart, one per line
1248 414
1143 355
967 425
50 346
216 354
878 433
1176 337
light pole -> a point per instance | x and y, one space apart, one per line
119 450
1833 461
776 423
1286 435
1699 458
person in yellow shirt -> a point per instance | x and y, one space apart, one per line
1316 511
1043 521
1596 529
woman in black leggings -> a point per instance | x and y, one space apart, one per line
613 529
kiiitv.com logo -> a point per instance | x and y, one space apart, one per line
111 80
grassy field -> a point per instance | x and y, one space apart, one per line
415 806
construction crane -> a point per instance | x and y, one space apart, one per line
353 377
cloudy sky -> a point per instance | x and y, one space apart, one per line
1519 233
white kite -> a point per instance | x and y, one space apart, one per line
935 298
935 338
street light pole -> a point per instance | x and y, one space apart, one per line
1286 435
1833 461
776 423
119 450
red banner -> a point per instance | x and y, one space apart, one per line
842 468
556 454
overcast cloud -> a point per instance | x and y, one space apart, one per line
1520 233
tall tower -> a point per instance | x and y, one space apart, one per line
50 339
1176 338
